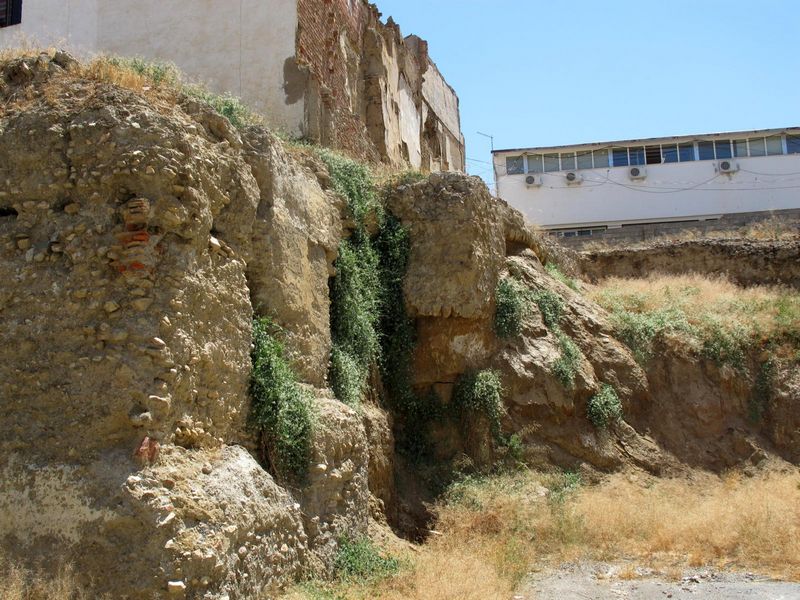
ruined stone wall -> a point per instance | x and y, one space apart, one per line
372 92
139 234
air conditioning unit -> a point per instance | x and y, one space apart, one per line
637 172
572 177
533 180
727 166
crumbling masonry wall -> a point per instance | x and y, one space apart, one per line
372 92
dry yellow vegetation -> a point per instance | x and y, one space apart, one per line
493 531
21 584
761 310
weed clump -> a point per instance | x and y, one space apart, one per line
725 345
551 306
157 72
167 75
281 408
565 367
557 274
480 393
604 407
640 330
359 560
511 304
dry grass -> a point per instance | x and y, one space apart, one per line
720 320
745 523
494 531
17 583
161 83
761 310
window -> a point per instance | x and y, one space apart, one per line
535 163
600 158
723 149
551 163
670 153
653 155
686 152
757 147
515 165
706 150
740 148
620 156
774 145
793 144
636 155
584 160
568 161
10 12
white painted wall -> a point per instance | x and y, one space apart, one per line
239 46
54 22
671 191
442 99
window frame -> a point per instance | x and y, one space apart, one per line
13 14
521 159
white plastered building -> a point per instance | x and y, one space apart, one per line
583 189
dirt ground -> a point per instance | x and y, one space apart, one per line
599 581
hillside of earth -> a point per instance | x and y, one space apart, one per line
237 366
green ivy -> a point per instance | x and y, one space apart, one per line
281 408
353 180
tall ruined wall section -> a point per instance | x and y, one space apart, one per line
138 238
372 92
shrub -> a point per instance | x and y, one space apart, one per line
551 306
604 407
480 393
281 409
566 366
511 303
360 560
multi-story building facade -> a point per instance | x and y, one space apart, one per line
326 70
585 189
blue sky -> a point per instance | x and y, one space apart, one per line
541 73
